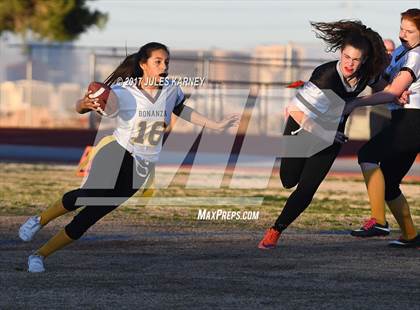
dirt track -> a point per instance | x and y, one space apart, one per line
149 267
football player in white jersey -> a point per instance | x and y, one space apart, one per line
126 161
387 157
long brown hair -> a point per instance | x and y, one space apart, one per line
352 32
130 68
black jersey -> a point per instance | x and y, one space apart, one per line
317 102
326 76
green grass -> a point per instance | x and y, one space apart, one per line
27 189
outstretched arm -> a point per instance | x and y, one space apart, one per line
192 116
391 93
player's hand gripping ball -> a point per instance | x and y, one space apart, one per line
108 103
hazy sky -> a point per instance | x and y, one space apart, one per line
233 25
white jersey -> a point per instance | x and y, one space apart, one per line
141 119
315 102
404 59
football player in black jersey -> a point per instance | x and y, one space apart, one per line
362 60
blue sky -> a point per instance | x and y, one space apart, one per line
233 25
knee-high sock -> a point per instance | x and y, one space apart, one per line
401 211
59 241
375 184
55 210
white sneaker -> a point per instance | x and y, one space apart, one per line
36 263
28 229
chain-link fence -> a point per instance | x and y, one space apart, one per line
39 87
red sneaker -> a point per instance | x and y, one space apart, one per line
270 239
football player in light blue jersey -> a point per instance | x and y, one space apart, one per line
388 156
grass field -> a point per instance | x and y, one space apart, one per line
154 257
339 204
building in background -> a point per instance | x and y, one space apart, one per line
58 75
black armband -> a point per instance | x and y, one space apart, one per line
183 111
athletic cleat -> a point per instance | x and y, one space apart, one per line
371 229
402 243
28 229
36 263
270 239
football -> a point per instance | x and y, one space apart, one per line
100 91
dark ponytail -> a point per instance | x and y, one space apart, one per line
123 71
130 67
346 32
